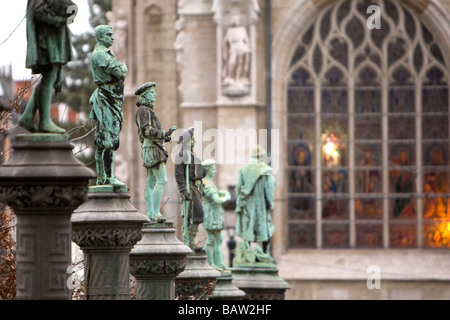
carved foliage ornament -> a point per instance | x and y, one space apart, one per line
168 267
106 237
43 196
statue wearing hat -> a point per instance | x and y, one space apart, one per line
213 221
154 154
254 202
109 75
189 173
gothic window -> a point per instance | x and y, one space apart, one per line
368 124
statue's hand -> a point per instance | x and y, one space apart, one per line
186 196
171 130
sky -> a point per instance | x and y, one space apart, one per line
13 50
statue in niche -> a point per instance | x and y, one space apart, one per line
236 55
154 154
254 203
49 48
109 75
213 221
189 173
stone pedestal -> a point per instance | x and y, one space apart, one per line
198 279
43 183
106 227
156 260
260 283
226 289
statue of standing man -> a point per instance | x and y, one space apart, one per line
254 202
213 221
49 48
154 154
109 75
189 173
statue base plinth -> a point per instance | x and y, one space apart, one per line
156 260
106 227
198 279
260 283
43 182
226 289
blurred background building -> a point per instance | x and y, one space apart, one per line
358 100
350 98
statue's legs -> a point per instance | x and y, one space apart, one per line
218 253
106 159
26 120
209 247
48 81
266 246
156 180
192 230
41 99
101 175
213 249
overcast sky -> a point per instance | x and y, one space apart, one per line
13 50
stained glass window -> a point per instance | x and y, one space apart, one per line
368 125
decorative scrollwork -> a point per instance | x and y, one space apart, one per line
36 196
106 236
169 267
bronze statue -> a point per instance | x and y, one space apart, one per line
49 48
154 154
213 221
189 174
109 75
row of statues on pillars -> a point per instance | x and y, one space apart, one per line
49 49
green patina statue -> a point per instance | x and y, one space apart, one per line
189 173
154 154
213 221
109 75
254 203
49 48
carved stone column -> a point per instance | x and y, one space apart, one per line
43 183
198 279
157 260
106 227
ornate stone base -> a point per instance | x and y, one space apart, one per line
260 283
43 183
226 289
106 227
198 280
156 260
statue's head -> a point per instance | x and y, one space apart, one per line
104 35
258 152
146 94
186 139
210 166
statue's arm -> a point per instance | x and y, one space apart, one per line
180 177
108 63
119 70
43 13
149 130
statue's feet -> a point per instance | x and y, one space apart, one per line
50 127
114 182
27 123
159 218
